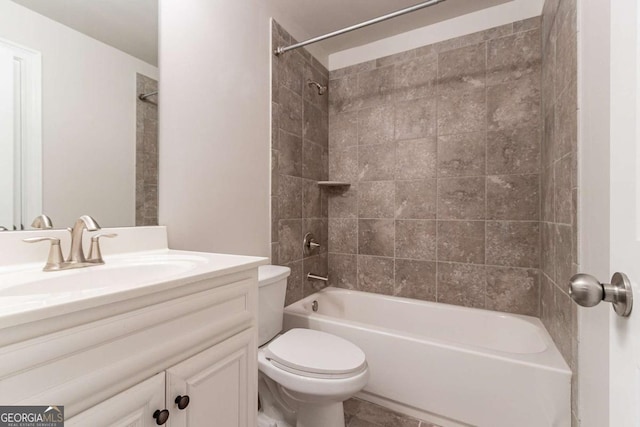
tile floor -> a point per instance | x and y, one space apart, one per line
359 413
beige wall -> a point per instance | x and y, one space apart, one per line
214 125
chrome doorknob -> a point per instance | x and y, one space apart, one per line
587 291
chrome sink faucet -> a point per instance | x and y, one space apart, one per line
76 259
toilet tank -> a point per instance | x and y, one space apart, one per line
272 287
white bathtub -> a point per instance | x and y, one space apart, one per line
450 365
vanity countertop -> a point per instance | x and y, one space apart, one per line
27 294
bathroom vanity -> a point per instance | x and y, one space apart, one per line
150 334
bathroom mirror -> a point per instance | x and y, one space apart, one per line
75 137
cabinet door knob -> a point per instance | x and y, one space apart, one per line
161 416
182 402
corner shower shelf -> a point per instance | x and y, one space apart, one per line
332 184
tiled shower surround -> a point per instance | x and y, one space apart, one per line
299 159
559 190
146 153
462 161
442 147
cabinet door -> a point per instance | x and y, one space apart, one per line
131 408
221 383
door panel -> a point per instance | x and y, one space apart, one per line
131 408
220 385
624 333
7 141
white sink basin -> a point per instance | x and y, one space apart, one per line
28 293
117 273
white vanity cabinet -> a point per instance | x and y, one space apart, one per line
132 407
117 363
216 382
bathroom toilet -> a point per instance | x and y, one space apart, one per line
304 374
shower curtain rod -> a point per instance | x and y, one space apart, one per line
282 49
144 96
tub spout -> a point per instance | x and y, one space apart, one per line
316 277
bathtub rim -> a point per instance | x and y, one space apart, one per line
549 359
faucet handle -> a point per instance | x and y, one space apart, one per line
55 259
95 256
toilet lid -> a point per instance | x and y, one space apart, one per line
316 352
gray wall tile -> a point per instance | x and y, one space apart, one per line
461 284
343 130
415 279
460 112
514 151
376 162
375 87
514 57
290 239
415 239
514 290
466 153
290 154
316 124
462 70
559 192
375 199
515 244
514 104
343 271
343 203
343 235
300 141
375 125
461 198
343 94
376 237
415 119
415 199
290 111
416 159
416 78
461 241
513 197
462 155
290 197
344 164
376 274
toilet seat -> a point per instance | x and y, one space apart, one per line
315 354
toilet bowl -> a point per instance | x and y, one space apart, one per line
304 375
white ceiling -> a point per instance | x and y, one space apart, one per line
319 17
132 25
128 25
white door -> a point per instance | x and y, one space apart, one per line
134 407
217 382
7 141
609 345
624 334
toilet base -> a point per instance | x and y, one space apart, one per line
320 415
